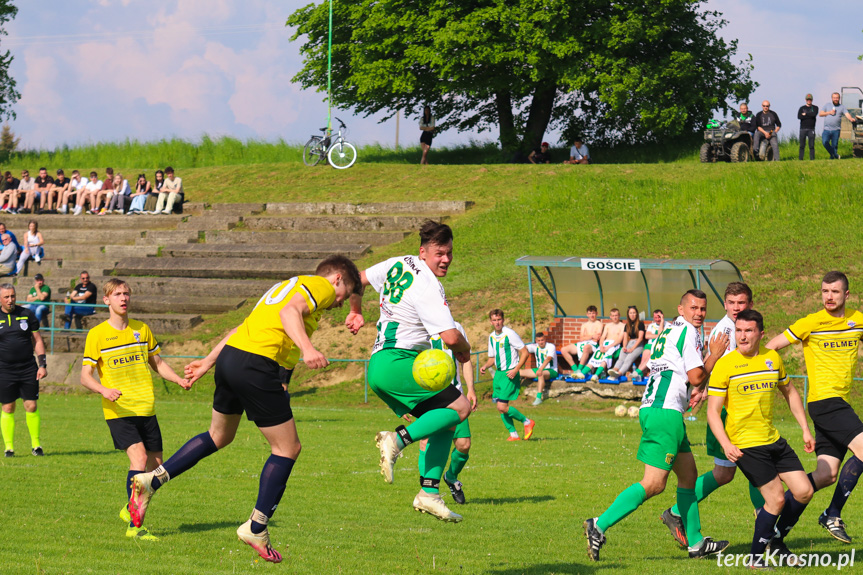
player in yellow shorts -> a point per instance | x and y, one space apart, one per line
249 379
120 349
831 341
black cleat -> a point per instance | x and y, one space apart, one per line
10 453
675 525
783 555
595 539
835 526
707 547
37 451
456 489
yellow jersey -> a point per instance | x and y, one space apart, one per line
830 346
262 333
121 360
748 385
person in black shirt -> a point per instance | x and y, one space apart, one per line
540 156
767 124
807 115
43 185
745 118
19 374
84 293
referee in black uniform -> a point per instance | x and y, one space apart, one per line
19 374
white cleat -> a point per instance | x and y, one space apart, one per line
388 444
142 491
433 504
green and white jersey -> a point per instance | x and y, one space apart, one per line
503 347
725 325
412 301
654 328
540 353
677 350
437 343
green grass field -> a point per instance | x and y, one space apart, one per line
526 501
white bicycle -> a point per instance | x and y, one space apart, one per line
340 153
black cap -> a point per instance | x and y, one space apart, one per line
38 277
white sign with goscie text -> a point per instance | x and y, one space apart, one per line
610 265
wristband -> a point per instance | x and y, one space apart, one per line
41 360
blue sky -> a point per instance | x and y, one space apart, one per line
107 70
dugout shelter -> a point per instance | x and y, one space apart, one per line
573 283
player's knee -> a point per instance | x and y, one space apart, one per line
463 444
806 495
294 450
8 408
502 406
723 475
652 487
775 502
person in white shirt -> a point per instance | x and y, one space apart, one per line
90 194
578 153
545 354
651 333
76 185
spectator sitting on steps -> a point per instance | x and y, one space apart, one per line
32 247
7 256
171 191
39 293
26 187
122 194
83 293
44 184
10 190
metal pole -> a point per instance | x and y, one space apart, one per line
398 114
366 379
532 314
330 75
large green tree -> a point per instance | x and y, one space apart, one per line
8 94
612 71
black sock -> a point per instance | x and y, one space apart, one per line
812 481
187 456
274 476
845 485
764 524
790 514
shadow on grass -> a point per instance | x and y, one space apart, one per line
78 452
499 500
200 527
558 568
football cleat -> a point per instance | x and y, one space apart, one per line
675 525
528 428
537 401
594 378
142 491
706 547
432 503
455 487
37 451
260 542
835 526
595 539
140 533
125 516
390 452
513 438
9 453
778 545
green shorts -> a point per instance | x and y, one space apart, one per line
462 429
713 447
553 373
504 388
391 377
663 436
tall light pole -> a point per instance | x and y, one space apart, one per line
330 75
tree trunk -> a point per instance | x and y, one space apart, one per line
539 116
508 135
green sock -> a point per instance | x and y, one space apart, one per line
437 452
433 421
516 414
755 497
457 461
507 422
7 427
639 372
600 372
704 486
688 504
34 420
628 501
421 462
539 394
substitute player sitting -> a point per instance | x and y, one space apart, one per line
744 382
120 349
609 348
650 334
545 355
248 379
578 354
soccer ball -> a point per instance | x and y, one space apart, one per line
620 410
433 369
633 412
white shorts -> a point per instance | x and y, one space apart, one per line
604 359
723 462
580 346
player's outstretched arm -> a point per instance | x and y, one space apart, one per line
292 322
457 343
89 382
795 403
778 342
714 420
165 371
196 369
354 321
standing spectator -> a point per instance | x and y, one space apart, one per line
76 185
25 187
10 189
745 118
44 184
171 191
768 125
39 293
807 114
32 247
19 373
427 129
7 256
142 191
122 195
633 344
153 197
83 293
89 194
578 153
540 156
832 114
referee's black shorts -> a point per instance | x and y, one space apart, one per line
836 426
18 381
251 383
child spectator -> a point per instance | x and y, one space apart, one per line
32 247
633 344
39 293
139 198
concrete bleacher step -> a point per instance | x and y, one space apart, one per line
158 322
99 267
65 342
349 209
335 223
192 288
98 252
120 252
162 237
315 238
230 268
91 222
210 222
87 237
235 209
273 251
183 304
